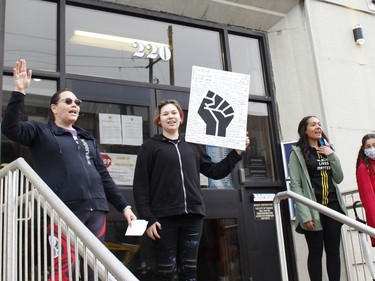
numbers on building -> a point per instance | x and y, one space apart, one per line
151 51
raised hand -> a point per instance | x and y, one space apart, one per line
21 76
216 113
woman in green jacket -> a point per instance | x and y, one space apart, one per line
315 173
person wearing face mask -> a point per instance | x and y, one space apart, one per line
67 158
365 175
315 173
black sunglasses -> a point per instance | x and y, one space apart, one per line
69 101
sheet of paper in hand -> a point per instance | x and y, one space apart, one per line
137 228
218 108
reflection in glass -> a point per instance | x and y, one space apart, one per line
258 161
30 33
219 251
129 48
38 87
36 107
245 58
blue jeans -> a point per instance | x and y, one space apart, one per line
177 249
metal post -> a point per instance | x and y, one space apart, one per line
280 235
11 199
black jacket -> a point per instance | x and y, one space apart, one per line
167 181
73 170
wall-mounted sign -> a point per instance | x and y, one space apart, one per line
257 167
263 211
263 206
263 197
120 166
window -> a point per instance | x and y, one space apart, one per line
30 33
36 107
129 48
258 160
245 58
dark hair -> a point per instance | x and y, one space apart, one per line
54 100
160 106
362 156
303 142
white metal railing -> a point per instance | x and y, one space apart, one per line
349 222
360 254
27 203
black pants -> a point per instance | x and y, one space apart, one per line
330 238
177 250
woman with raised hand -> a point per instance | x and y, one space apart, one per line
67 158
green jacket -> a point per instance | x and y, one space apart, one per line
300 183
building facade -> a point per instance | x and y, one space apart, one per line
123 57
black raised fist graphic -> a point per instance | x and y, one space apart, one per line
216 113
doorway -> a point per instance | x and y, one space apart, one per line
219 256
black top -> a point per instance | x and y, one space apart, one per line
167 180
321 177
73 169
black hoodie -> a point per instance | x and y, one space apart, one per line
167 180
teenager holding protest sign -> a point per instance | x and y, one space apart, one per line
167 192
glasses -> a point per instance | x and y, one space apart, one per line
69 101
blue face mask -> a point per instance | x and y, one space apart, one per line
370 153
